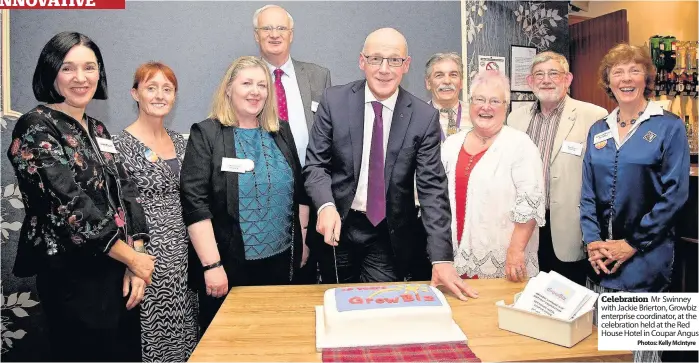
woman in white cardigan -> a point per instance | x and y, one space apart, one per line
496 188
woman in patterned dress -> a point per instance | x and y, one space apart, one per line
242 194
496 189
82 211
151 153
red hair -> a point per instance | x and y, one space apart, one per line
146 71
625 53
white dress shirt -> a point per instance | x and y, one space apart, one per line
652 109
389 104
294 105
463 124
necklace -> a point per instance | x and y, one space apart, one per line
633 119
250 140
484 139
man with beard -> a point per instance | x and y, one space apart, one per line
444 79
558 125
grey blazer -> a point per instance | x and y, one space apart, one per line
312 80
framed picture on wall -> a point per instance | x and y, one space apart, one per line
515 104
521 58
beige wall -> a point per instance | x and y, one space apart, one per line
648 18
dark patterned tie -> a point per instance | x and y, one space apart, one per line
451 126
281 95
376 189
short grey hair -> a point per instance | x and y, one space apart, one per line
257 13
491 78
438 57
544 57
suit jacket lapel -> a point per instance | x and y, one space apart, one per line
305 89
356 125
399 126
530 116
231 178
566 123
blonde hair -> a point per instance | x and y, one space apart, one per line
222 109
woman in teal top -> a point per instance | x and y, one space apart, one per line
242 195
265 196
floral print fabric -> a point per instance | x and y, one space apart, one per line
76 197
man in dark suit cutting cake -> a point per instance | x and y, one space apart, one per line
370 141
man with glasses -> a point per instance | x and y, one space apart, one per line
370 140
298 87
558 125
444 80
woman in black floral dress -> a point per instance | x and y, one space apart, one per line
151 154
83 215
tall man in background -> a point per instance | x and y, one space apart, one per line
298 87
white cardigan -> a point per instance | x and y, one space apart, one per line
505 187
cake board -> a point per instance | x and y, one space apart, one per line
452 334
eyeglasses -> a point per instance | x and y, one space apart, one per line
553 75
268 29
375 60
480 101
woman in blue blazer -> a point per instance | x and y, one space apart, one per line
635 181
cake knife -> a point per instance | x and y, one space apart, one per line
337 279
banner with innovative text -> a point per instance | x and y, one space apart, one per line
62 4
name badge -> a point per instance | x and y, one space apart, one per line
314 106
235 165
106 145
572 148
602 136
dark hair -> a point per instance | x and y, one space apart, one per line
51 60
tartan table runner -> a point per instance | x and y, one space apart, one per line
434 352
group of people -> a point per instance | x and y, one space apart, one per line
137 238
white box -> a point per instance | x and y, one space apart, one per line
553 330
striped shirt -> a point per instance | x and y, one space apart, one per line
542 130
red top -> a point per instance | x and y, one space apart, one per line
464 165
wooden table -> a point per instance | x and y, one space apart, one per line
277 323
